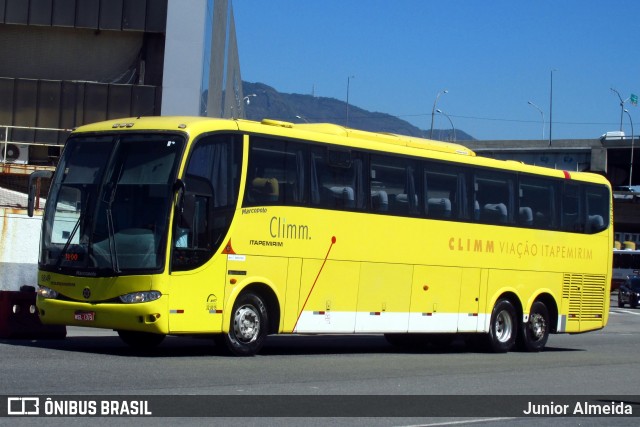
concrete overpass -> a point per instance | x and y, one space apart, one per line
611 157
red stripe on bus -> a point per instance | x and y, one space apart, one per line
333 242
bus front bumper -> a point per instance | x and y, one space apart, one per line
143 317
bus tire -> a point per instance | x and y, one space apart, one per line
503 327
535 332
141 340
248 326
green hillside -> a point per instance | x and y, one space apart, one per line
297 108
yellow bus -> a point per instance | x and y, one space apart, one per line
239 229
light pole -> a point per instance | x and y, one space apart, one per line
621 106
452 127
433 111
551 106
348 82
245 100
631 165
541 113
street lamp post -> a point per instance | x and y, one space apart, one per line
621 106
541 113
348 82
245 100
551 107
433 111
450 121
631 165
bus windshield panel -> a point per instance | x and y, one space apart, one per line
109 207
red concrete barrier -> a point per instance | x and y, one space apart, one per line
19 317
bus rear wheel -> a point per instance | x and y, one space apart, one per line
534 333
141 340
248 327
503 327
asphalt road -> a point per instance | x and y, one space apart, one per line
95 363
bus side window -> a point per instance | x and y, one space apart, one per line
441 193
572 209
493 198
393 185
536 203
276 173
337 180
597 205
211 185
196 210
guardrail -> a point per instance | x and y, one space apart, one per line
6 141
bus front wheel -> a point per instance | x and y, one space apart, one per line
534 333
502 330
248 327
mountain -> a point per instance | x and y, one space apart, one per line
265 102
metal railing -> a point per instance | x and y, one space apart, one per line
5 140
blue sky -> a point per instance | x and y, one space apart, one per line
492 57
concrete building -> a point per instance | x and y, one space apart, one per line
70 62
613 157
66 63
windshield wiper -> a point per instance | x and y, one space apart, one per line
113 250
68 242
76 226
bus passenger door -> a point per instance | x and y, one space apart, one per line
435 297
469 300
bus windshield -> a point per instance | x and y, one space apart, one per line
109 207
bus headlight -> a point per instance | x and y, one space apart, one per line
45 292
137 297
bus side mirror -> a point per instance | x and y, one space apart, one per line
33 182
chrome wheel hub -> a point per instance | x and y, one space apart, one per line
246 324
503 326
537 326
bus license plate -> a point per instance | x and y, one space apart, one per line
85 316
